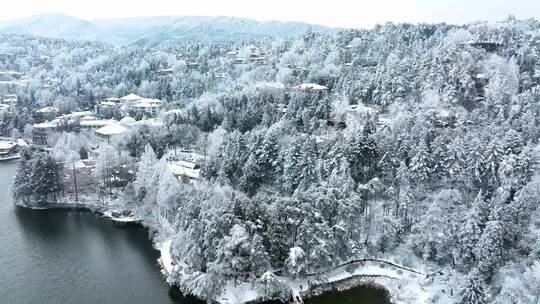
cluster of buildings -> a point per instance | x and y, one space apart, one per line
103 124
166 72
8 101
129 105
110 117
103 128
255 55
12 78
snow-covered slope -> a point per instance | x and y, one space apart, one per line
156 30
57 26
202 28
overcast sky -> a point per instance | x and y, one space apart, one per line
337 13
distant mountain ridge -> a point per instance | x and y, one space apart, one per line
157 30
56 26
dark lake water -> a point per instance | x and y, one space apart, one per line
64 257
359 295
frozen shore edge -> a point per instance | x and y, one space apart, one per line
339 281
348 283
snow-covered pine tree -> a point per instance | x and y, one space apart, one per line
470 232
145 171
22 182
474 291
489 249
296 262
420 166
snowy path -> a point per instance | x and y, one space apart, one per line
405 286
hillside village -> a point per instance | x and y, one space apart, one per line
281 160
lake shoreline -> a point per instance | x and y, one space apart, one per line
378 282
361 281
70 252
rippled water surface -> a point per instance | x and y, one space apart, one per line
63 257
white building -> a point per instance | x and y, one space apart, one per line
73 117
232 54
124 125
130 98
8 150
129 105
111 130
42 131
96 123
146 106
311 87
185 168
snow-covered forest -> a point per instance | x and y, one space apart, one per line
416 144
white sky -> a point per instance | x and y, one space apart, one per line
337 13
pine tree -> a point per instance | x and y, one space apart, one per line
167 193
474 292
277 238
44 179
420 163
296 262
22 189
489 249
252 171
361 154
493 157
273 287
470 233
251 177
145 170
475 160
234 157
341 176
258 257
292 165
307 164
232 252
454 160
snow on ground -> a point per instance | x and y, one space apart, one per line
405 287
166 258
311 87
121 219
179 168
88 201
238 293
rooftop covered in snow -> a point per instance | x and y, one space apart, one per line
131 97
310 87
7 145
111 129
45 125
96 123
46 110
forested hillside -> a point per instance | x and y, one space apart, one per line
420 148
152 31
